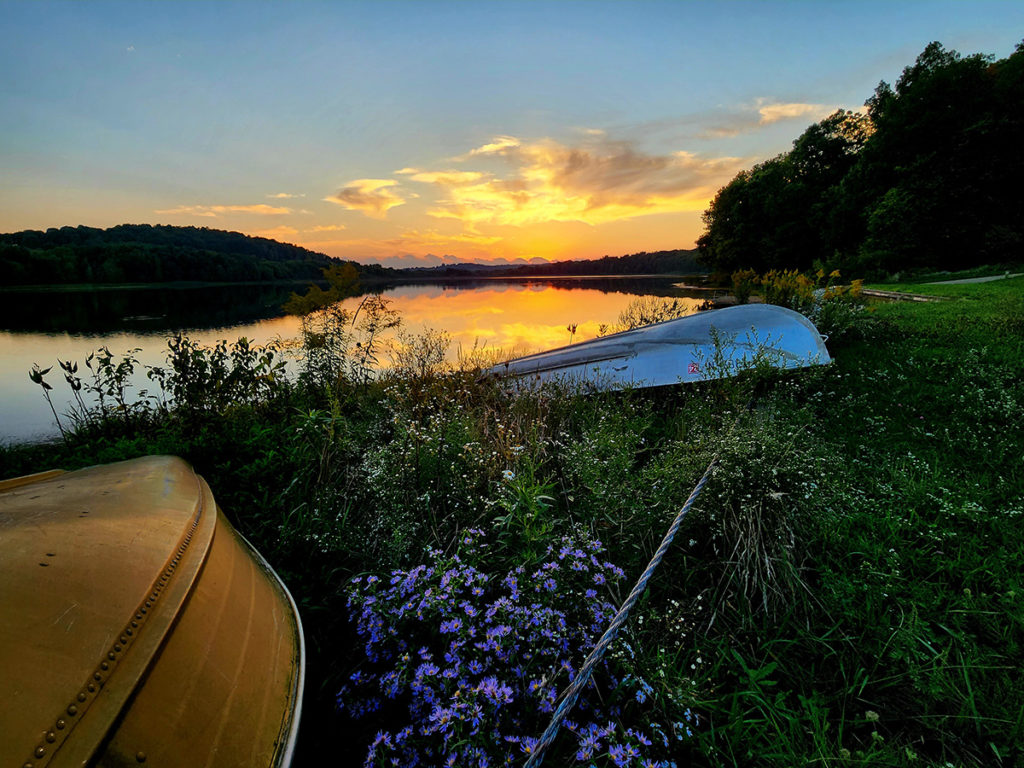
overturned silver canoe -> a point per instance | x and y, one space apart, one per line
700 347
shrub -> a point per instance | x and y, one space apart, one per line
650 309
743 282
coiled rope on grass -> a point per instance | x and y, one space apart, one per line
586 671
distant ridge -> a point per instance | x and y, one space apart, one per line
145 253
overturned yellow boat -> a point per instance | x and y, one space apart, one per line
137 627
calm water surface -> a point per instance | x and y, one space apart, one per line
521 316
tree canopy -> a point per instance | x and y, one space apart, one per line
926 177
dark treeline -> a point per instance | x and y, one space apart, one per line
681 262
141 253
656 263
928 178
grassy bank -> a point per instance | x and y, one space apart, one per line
847 590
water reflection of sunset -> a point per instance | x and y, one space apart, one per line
503 317
524 317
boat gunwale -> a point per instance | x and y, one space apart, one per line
299 686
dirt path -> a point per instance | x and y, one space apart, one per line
976 279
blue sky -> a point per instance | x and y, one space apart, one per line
416 132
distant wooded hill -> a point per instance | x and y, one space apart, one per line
140 253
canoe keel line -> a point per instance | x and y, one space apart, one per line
708 345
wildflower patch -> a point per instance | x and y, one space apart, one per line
469 664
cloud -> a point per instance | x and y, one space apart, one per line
372 197
596 182
431 238
773 113
327 228
763 113
213 211
498 146
447 178
277 233
192 210
284 196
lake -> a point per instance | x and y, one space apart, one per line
523 315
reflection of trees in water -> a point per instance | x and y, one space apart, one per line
144 310
158 310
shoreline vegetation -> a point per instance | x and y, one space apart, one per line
847 590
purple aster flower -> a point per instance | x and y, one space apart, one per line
617 752
427 670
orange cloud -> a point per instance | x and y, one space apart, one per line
284 196
213 211
327 228
599 182
277 233
447 178
432 239
372 197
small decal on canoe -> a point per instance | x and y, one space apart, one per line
693 368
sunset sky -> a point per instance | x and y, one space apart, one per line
411 133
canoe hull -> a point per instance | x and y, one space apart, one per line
149 631
709 345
